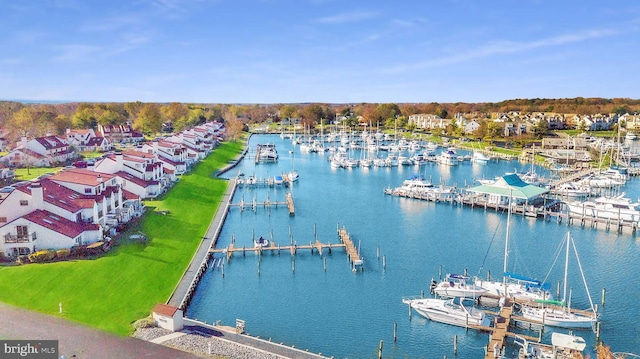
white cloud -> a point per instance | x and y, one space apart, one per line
504 47
76 52
347 17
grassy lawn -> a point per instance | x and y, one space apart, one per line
23 174
113 291
91 154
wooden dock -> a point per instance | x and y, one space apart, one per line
497 340
352 252
290 204
317 246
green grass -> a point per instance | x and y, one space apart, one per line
113 291
91 154
24 174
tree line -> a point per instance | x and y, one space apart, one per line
38 119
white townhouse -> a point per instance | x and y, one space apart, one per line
40 152
87 140
138 172
173 155
120 133
428 121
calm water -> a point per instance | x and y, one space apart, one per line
345 314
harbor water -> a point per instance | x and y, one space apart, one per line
322 305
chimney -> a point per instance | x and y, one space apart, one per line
119 161
37 196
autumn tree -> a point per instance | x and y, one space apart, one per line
24 121
133 109
149 119
234 128
174 111
287 111
61 123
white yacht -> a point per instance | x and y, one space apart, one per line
449 311
457 285
480 158
615 208
447 157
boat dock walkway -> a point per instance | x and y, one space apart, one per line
352 252
497 339
267 203
272 247
314 246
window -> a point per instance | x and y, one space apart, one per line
87 190
3 219
24 202
22 231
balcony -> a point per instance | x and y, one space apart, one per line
11 238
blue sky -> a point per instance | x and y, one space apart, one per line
337 51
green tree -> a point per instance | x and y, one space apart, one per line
540 129
24 121
494 130
149 119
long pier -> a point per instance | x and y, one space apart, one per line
314 246
548 210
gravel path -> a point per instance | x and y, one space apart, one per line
198 344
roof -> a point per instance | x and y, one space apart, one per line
81 176
510 185
165 310
50 142
135 180
58 224
129 195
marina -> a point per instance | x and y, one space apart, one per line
405 241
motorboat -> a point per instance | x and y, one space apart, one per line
261 242
480 158
293 176
563 346
447 157
278 180
457 285
268 152
449 311
572 190
615 208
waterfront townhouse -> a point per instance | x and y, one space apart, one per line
428 121
64 210
138 172
87 140
173 155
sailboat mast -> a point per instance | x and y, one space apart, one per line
506 245
566 268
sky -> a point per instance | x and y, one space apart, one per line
328 51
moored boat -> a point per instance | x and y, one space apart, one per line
449 311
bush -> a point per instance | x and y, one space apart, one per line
42 256
147 322
63 253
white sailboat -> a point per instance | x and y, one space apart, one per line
559 313
514 286
293 175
